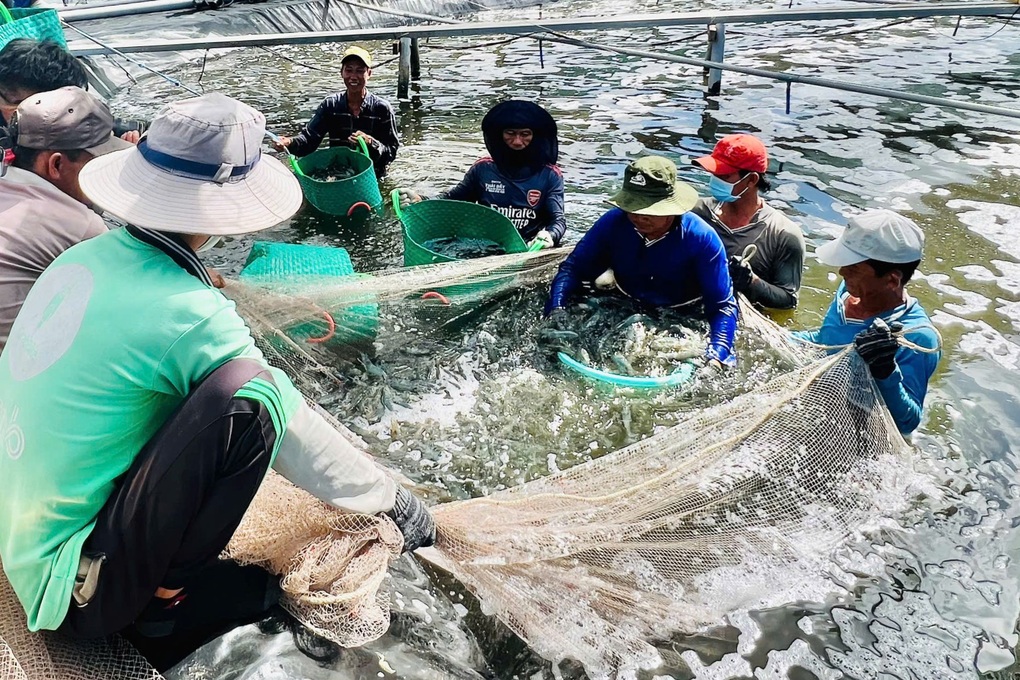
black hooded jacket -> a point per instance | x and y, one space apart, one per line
527 185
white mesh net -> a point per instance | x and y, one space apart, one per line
596 563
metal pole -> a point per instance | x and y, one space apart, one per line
415 60
716 53
404 69
916 10
124 9
804 80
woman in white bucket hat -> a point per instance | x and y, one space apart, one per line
146 417
876 255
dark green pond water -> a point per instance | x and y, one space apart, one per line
463 404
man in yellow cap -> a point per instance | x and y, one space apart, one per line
346 116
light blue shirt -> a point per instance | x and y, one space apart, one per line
905 389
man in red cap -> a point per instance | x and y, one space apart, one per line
741 217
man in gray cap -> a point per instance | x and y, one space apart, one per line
876 256
43 212
140 416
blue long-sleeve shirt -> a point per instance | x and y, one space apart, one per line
904 390
532 203
688 263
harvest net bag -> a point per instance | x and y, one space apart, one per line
597 563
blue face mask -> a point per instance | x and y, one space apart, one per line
723 191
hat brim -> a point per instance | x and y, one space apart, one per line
358 57
683 199
715 166
836 254
125 185
113 143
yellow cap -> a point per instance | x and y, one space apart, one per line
358 52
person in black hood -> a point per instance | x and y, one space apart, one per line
519 177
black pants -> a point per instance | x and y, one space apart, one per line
176 508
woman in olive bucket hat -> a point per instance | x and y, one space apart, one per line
659 253
519 177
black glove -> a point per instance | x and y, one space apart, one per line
555 334
413 519
740 274
877 346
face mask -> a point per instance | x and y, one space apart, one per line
209 244
723 191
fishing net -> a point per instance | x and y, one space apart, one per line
602 562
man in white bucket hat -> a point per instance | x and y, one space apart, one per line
140 418
876 255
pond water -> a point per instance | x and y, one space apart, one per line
463 403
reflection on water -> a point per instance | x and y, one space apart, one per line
465 402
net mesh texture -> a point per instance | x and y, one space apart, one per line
596 563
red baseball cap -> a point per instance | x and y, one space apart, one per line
734 153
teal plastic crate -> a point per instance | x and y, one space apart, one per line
276 265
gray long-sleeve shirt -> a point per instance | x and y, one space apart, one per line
779 262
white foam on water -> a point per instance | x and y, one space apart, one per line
1011 310
994 221
972 302
990 343
1002 157
1010 279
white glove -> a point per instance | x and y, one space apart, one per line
407 197
606 280
545 237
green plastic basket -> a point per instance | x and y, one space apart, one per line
440 218
277 264
31 22
344 196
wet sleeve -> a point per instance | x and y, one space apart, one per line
309 139
316 457
553 207
590 257
387 141
781 293
904 390
716 291
469 189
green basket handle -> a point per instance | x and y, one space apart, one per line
364 146
536 246
395 197
5 15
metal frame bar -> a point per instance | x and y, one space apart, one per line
768 16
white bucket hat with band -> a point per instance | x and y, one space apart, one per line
198 170
881 235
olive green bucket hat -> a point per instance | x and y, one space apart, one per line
650 187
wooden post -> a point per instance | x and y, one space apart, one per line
415 60
716 52
404 69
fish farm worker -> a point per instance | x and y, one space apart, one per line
139 416
346 116
660 254
29 66
876 255
739 214
43 211
519 177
